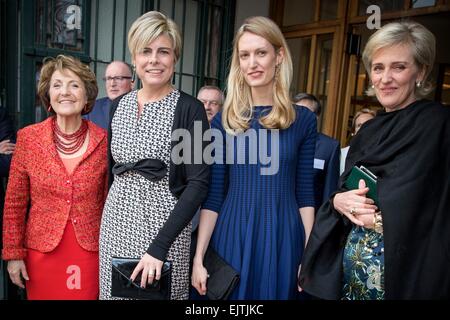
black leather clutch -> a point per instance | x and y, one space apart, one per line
222 277
123 287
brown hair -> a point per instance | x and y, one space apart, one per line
61 63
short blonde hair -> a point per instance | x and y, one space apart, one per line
238 103
61 63
420 40
150 26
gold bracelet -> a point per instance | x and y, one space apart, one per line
378 222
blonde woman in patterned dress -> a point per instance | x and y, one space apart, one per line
150 217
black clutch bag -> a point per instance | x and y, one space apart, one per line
222 277
123 287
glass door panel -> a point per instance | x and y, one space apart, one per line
300 50
322 70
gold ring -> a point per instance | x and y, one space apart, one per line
152 273
353 211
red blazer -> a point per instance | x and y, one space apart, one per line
41 196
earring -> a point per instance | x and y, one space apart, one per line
372 86
241 85
418 84
133 76
277 71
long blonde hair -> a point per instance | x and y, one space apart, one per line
238 104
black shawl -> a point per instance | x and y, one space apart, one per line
409 151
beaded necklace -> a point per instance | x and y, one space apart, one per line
72 142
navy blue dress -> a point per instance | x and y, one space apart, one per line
259 229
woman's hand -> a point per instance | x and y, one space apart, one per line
356 206
7 147
17 270
199 277
151 270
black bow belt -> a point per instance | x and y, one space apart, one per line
151 169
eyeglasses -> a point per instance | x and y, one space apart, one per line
118 78
214 103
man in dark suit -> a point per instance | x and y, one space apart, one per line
326 156
118 81
7 145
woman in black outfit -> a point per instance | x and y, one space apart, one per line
399 248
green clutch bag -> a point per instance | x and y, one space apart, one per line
357 174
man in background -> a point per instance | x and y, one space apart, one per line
326 156
118 81
212 98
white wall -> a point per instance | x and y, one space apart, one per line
248 8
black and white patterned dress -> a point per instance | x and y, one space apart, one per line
136 208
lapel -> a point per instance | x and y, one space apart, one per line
96 135
46 140
105 106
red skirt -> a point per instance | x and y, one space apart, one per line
67 273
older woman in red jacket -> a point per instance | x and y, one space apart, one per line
56 190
